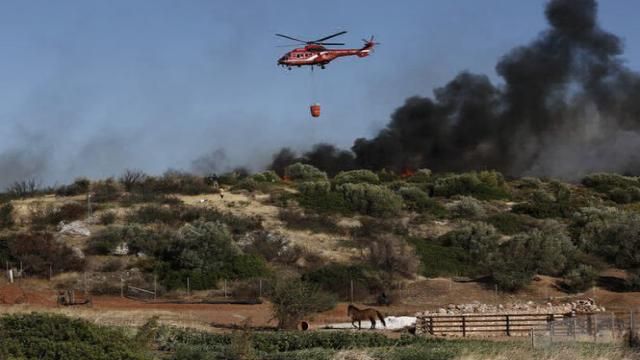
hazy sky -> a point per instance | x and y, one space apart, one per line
93 87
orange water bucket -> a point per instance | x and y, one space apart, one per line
315 110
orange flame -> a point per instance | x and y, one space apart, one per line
407 173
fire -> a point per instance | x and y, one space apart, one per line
407 173
286 178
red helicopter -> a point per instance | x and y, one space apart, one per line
314 52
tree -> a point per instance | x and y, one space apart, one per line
131 179
293 300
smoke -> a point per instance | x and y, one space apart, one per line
567 107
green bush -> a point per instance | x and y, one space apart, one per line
336 279
106 190
484 185
108 217
580 278
510 224
544 205
439 260
53 337
269 176
420 176
331 202
374 200
417 200
480 240
39 250
79 186
356 177
304 172
293 300
467 207
6 215
318 223
609 233
135 236
604 182
314 188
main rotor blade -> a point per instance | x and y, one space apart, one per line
290 38
324 43
328 37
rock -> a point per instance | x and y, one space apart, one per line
121 249
74 228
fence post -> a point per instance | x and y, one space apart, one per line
632 325
573 328
351 291
225 288
595 328
613 325
464 326
188 287
533 341
508 326
552 331
121 287
155 287
260 288
50 271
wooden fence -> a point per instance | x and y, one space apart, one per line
612 325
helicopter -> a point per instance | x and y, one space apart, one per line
315 53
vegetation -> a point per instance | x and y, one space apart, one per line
53 337
292 300
304 172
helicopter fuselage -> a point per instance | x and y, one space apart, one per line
319 55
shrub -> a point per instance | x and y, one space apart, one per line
177 182
480 241
248 184
467 207
393 254
79 186
6 215
318 223
420 176
546 251
247 266
304 172
580 278
356 177
272 247
136 237
108 217
269 176
336 279
604 182
438 260
330 202
543 205
314 188
372 200
132 179
610 233
106 190
148 214
293 300
484 185
39 250
67 212
52 337
24 188
510 224
417 200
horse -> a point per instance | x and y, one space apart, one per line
364 314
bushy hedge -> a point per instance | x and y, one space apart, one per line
304 172
467 207
336 278
580 278
480 240
292 300
417 200
621 189
370 199
356 177
54 337
483 185
38 250
610 233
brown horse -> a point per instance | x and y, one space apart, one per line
364 314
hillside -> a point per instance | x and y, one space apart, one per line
424 240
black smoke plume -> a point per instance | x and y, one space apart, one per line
568 106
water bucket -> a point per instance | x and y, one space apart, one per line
315 110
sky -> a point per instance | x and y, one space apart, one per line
89 88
